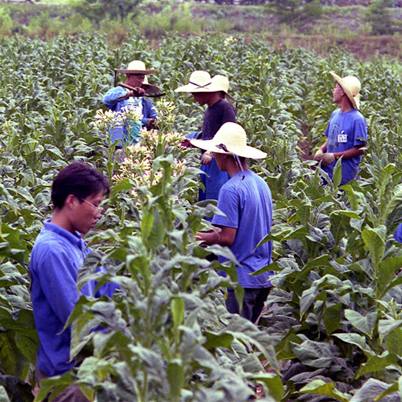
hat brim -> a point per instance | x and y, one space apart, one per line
242 151
191 88
353 99
125 71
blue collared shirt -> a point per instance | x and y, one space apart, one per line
56 258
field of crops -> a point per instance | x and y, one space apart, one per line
333 326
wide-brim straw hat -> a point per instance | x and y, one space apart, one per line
149 88
351 86
136 67
200 81
222 82
230 139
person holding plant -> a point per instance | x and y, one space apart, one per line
246 203
129 97
346 131
211 92
57 255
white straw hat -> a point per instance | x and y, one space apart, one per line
351 86
136 67
200 81
222 82
230 139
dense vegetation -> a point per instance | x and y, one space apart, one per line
364 29
332 330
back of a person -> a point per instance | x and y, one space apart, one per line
255 220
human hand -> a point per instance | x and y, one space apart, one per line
318 155
327 159
206 158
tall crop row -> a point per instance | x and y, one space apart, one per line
334 317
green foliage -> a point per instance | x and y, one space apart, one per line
379 15
334 316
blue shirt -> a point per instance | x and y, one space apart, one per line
56 258
248 205
346 131
119 132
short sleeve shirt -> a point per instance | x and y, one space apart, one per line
247 204
345 131
215 116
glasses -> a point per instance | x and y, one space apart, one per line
98 208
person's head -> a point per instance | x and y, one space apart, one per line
230 141
206 98
77 192
135 73
346 89
202 88
80 180
222 83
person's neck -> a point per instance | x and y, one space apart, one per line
346 105
60 219
215 97
232 167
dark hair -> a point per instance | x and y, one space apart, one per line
80 180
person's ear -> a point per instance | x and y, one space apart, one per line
71 201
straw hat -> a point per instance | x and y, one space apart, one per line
230 139
351 86
149 89
222 82
200 81
136 67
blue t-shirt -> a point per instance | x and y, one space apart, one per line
248 205
128 133
345 131
398 233
56 258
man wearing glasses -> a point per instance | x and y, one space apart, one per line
57 255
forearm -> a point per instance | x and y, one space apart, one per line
350 153
223 237
324 147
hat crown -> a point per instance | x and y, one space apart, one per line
221 82
136 65
351 83
231 135
200 78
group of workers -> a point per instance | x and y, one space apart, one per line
243 197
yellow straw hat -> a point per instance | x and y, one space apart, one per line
230 139
351 86
200 81
136 67
222 82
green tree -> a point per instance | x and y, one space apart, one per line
97 9
379 16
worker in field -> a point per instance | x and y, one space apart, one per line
346 131
129 97
246 203
57 255
211 92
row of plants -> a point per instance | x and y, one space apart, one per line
332 330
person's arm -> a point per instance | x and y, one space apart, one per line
58 280
150 114
224 236
113 96
328 158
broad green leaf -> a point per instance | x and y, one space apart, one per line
365 324
327 389
377 363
